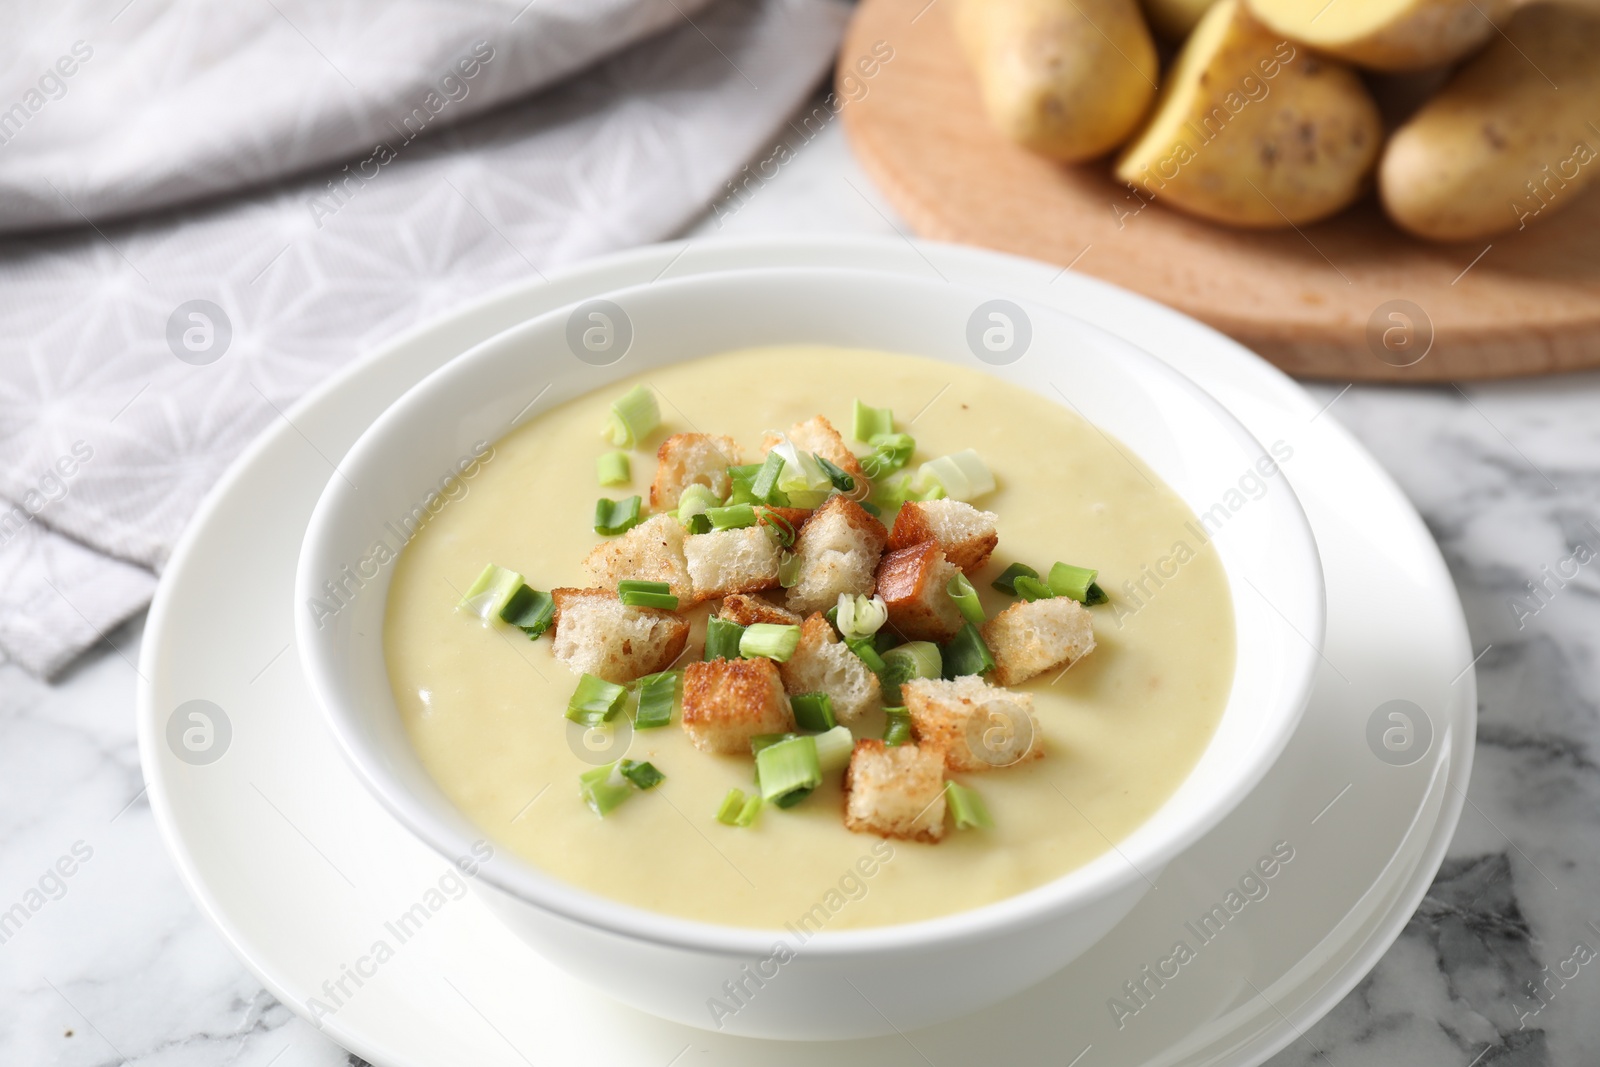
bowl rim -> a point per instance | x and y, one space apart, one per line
1095 880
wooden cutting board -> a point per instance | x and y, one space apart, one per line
1351 298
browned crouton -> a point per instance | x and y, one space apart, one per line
686 459
726 702
979 726
595 633
723 562
895 792
650 552
965 534
837 552
817 436
749 610
821 663
912 582
1031 637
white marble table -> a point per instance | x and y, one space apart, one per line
123 968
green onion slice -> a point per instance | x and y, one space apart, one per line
777 527
890 452
641 598
967 807
870 508
732 517
859 616
1031 588
658 694
801 473
914 659
633 417
530 610
867 652
732 805
613 517
965 653
1078 583
966 598
1006 582
840 478
889 493
833 748
813 711
869 422
692 506
641 773
896 726
604 788
776 641
490 593
595 701
761 741
766 479
788 767
962 475
748 813
788 569
722 638
613 468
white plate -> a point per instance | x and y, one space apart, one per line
305 875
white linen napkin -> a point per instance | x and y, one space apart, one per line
119 408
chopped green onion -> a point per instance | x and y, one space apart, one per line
1031 588
742 479
647 598
633 416
641 773
801 473
966 598
771 640
890 452
732 517
788 767
841 479
692 507
529 610
732 805
761 741
1078 583
604 788
896 726
640 585
869 422
777 527
791 798
788 569
965 653
657 695
613 469
867 652
914 659
490 593
833 748
813 711
1006 582
766 479
870 508
962 475
748 813
722 638
859 616
615 516
595 701
885 639
1096 595
967 807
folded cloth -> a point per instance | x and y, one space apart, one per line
137 359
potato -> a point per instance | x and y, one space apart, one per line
1069 79
1253 131
1386 34
1500 146
1176 19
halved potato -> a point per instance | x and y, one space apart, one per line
1500 146
1386 34
1069 79
1253 131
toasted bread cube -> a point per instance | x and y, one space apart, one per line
723 562
726 702
1031 637
686 459
965 534
837 552
913 582
749 610
895 792
595 633
650 552
979 726
823 664
817 436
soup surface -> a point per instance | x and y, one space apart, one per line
485 707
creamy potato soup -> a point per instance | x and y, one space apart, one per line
486 706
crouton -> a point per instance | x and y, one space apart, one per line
978 726
731 561
895 792
965 534
821 663
912 582
817 436
748 610
650 552
726 702
837 552
1031 637
595 633
686 459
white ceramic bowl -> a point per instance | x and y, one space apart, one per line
846 983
